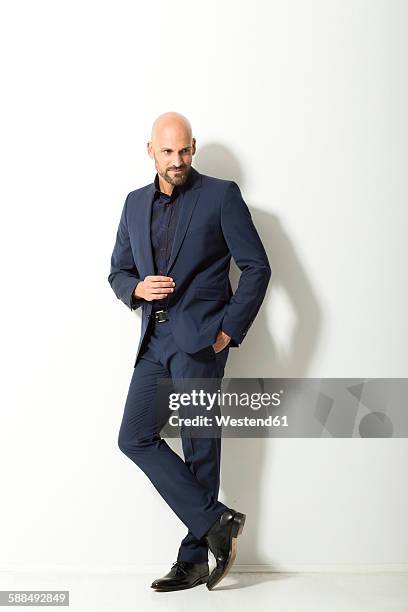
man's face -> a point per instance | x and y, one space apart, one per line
173 155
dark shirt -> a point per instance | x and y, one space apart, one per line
163 224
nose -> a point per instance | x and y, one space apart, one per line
177 162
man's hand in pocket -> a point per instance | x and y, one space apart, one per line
221 341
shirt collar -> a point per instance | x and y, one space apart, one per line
176 190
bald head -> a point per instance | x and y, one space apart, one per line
169 123
172 147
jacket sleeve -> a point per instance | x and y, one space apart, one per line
249 254
124 276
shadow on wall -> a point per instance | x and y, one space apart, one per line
244 469
259 354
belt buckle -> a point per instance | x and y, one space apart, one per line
161 316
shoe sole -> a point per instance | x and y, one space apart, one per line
237 527
201 580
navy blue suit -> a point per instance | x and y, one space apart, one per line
213 224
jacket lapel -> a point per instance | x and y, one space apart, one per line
188 202
145 231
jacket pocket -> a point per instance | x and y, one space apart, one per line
211 293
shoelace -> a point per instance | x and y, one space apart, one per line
180 566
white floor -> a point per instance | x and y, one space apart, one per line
268 591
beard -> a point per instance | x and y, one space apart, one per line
176 179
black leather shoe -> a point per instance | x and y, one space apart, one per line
183 575
222 541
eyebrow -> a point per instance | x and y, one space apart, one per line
169 149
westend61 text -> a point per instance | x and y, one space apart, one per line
227 421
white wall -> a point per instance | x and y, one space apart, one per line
304 105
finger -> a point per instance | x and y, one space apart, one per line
158 296
161 278
167 291
162 285
157 289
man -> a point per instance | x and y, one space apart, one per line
172 255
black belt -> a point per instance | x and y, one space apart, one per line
160 316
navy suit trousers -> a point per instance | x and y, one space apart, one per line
189 487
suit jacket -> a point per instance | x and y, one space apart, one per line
214 224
